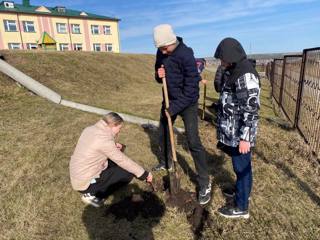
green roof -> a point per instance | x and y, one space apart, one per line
20 8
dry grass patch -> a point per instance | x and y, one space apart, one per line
37 139
119 82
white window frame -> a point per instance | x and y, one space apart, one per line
107 30
97 47
14 46
63 47
77 47
32 46
61 28
61 9
10 23
27 25
8 4
109 47
75 28
95 29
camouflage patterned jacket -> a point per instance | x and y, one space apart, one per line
238 112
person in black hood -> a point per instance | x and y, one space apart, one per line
238 119
176 62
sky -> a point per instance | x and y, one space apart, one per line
261 26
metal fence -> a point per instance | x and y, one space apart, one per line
290 85
295 82
276 79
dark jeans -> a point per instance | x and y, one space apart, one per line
242 168
111 179
190 120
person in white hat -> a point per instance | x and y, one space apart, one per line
176 62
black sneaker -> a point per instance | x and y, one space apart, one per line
204 194
233 212
160 167
92 200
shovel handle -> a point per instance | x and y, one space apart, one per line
166 99
204 100
165 91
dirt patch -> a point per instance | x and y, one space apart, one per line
197 215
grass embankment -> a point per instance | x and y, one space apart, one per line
119 82
37 202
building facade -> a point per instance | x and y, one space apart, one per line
23 26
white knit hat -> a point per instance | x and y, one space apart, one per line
163 35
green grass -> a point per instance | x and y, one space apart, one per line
37 139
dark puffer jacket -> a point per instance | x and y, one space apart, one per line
182 77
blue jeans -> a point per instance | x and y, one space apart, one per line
242 168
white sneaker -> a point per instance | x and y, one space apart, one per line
92 200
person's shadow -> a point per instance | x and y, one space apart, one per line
130 218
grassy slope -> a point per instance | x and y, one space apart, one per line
111 81
37 139
123 83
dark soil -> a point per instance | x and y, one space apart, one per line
146 205
149 206
198 216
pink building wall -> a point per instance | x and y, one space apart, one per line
86 35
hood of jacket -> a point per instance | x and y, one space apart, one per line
231 51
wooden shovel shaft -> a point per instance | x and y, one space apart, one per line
166 99
204 101
165 90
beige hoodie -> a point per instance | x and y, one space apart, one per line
95 146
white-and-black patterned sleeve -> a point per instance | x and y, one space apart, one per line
248 93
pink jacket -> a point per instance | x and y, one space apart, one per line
95 146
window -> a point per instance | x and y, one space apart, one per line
94 29
8 4
97 47
61 9
10 25
77 47
28 26
63 46
109 47
14 46
106 30
75 28
31 46
61 28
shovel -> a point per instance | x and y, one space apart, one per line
173 175
204 101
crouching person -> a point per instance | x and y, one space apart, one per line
98 166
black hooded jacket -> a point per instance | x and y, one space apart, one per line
239 96
230 51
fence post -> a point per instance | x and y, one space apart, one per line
272 77
282 80
301 83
